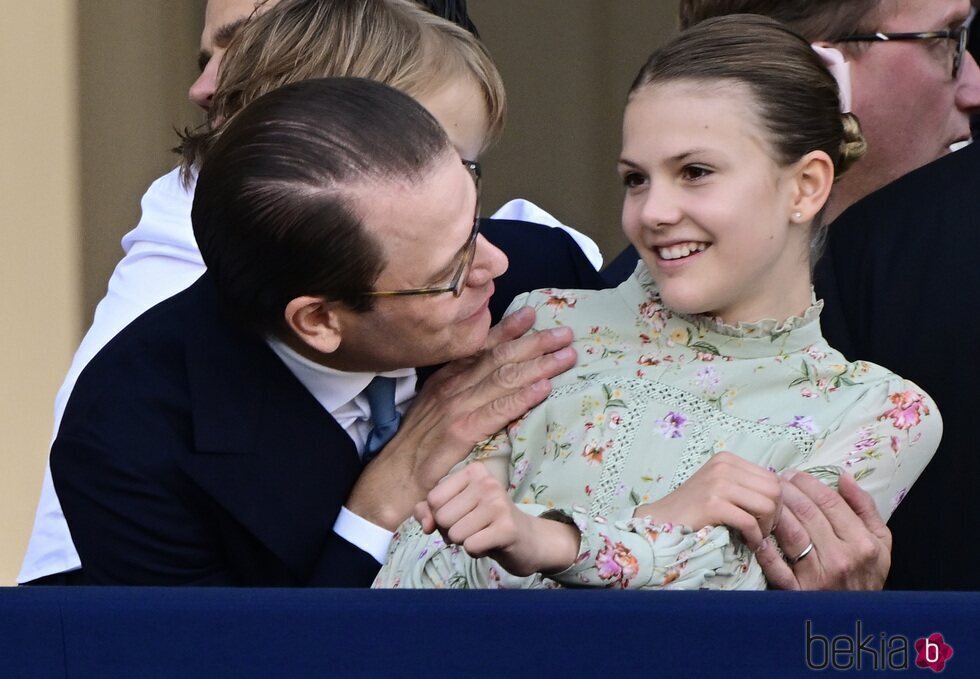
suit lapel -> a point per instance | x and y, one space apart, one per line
264 448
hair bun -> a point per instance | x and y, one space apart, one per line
853 145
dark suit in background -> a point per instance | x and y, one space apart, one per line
901 279
190 454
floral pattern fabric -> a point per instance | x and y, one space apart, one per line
653 396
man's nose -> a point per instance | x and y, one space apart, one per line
202 89
968 86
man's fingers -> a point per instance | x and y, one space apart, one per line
778 573
509 366
834 510
810 506
791 535
511 327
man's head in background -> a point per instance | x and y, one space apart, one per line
396 42
910 100
223 18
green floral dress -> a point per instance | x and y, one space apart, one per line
653 396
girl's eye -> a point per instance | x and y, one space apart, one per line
633 179
694 172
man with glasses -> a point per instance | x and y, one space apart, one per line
914 86
243 432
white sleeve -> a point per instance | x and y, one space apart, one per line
363 534
161 259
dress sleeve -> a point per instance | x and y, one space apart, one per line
627 553
623 552
884 440
632 553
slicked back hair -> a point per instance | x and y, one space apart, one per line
273 211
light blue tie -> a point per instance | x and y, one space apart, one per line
384 417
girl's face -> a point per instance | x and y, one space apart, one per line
709 210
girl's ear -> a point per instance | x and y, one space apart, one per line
813 178
315 322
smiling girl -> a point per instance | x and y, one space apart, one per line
655 461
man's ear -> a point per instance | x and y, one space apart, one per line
316 322
814 178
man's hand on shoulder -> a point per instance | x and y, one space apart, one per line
460 405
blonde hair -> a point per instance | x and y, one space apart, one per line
395 42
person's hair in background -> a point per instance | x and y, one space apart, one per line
396 42
265 240
788 89
454 11
813 19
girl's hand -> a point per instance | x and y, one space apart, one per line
727 490
472 509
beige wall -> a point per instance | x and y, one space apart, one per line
91 92
137 59
39 217
567 65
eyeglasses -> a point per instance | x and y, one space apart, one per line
466 254
959 35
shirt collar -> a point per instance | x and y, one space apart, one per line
331 387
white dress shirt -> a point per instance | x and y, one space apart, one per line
342 395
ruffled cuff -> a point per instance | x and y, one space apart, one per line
634 553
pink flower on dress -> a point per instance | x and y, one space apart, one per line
655 314
672 425
908 411
868 440
615 562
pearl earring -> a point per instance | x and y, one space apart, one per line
797 216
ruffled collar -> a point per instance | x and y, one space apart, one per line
766 337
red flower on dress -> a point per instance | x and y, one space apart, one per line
908 411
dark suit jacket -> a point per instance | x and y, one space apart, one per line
899 278
189 454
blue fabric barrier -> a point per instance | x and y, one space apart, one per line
153 632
